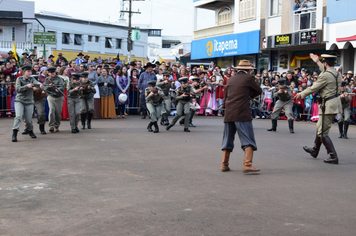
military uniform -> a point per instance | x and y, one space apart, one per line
166 104
87 99
192 111
24 104
154 104
284 102
40 98
343 118
328 84
73 102
55 99
183 104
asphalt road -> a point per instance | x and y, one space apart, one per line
119 179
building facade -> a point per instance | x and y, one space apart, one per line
235 35
340 32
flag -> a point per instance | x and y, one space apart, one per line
147 59
14 50
160 59
177 59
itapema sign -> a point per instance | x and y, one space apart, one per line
44 38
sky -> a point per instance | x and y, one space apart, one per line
174 17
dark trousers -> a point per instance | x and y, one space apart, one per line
121 109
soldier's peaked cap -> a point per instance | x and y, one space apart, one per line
85 74
52 69
152 83
26 67
184 80
76 75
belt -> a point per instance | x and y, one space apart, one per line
329 98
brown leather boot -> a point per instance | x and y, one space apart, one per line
225 161
333 159
248 168
314 151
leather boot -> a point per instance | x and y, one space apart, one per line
248 168
25 131
225 161
167 120
156 127
162 120
341 130
42 129
169 126
32 135
274 126
90 116
149 127
333 159
14 135
346 127
82 118
186 130
291 127
144 114
314 151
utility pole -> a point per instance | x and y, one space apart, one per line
129 40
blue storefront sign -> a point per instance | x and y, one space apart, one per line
226 45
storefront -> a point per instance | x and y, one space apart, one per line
228 49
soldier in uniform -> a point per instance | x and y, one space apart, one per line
343 118
87 99
154 96
184 94
328 84
197 89
40 97
74 90
284 93
166 85
24 101
55 85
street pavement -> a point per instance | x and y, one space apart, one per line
119 179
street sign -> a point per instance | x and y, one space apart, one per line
44 38
135 35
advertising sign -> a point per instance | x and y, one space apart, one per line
308 37
283 40
44 38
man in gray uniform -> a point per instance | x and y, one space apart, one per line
283 92
328 84
184 94
40 97
74 90
87 99
166 85
154 97
344 116
24 101
55 85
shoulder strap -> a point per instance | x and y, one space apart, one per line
337 84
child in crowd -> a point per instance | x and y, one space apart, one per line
204 104
268 99
220 93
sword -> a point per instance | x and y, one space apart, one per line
323 118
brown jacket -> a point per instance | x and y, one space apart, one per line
239 89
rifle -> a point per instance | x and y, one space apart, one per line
52 85
185 93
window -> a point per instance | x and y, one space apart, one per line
166 45
118 43
224 16
108 43
66 38
247 10
90 38
154 32
97 39
78 39
275 7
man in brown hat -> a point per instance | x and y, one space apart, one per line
60 59
239 90
10 57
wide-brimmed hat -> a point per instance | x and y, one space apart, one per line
244 65
60 54
87 56
10 52
25 53
51 56
149 64
349 72
80 54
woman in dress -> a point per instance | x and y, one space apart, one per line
204 104
107 102
134 95
123 84
65 112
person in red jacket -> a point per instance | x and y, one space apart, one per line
219 95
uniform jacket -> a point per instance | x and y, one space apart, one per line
283 96
166 87
156 99
88 92
24 94
188 89
345 101
239 89
72 93
58 82
326 85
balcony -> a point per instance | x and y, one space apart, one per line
304 19
214 31
19 45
